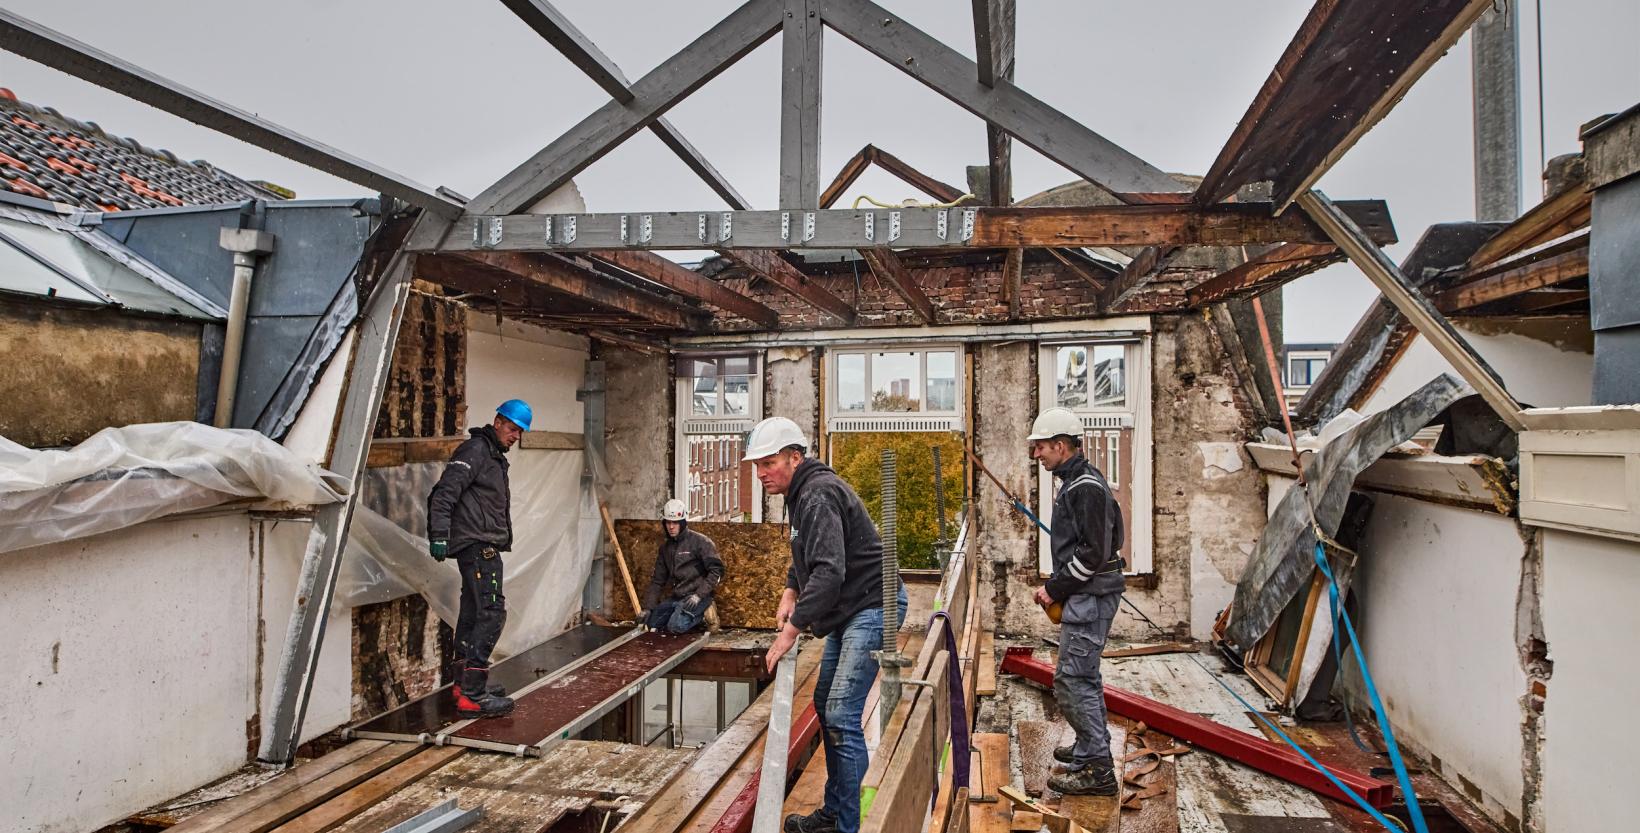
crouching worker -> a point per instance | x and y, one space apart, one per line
834 589
469 518
688 563
1087 582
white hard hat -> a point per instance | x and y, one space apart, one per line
771 436
674 510
1056 422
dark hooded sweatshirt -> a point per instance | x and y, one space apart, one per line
837 555
1087 533
690 564
471 503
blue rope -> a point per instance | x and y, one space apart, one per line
1401 776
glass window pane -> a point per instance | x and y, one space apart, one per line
942 381
737 395
705 397
1071 376
851 382
1109 376
895 383
736 365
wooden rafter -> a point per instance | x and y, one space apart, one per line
1555 217
1139 272
770 266
1077 269
873 155
1332 85
888 268
1013 269
511 277
1552 266
689 283
1265 271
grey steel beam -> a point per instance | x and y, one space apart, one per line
800 105
944 70
556 29
1413 304
378 331
1225 224
652 95
61 52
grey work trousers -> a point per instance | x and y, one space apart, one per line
1077 686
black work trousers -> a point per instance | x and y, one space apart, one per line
483 606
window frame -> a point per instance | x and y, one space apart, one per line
712 451
834 380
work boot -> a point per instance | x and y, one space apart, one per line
1092 779
485 704
458 665
819 821
1065 754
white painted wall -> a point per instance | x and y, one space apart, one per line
284 542
1590 620
309 435
1536 372
520 361
1437 590
130 667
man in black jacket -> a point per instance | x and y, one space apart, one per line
469 516
688 563
1087 582
834 589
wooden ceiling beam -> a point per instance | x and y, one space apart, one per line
491 271
1140 271
888 268
689 283
1555 217
770 266
1265 271
1552 270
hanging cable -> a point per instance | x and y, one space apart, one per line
915 203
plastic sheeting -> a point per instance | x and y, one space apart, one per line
119 477
556 533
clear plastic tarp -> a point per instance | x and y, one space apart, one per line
124 476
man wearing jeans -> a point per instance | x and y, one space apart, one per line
833 589
688 566
1087 581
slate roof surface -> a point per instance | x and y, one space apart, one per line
49 156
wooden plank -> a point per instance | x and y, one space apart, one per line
772 267
1077 269
1415 306
548 272
1264 271
991 816
334 812
987 665
552 441
689 283
1140 271
1565 212
215 819
652 95
1151 650
903 799
888 268
1034 123
1228 224
1330 87
1537 274
259 812
915 178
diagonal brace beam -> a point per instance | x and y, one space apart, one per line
652 95
61 52
1414 305
768 264
888 267
688 282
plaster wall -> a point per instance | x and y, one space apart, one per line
637 431
1438 589
1005 402
1590 619
521 361
791 390
1541 366
309 435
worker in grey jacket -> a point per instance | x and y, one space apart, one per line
1087 583
687 570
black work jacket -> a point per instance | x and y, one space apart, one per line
471 503
837 555
1087 533
689 564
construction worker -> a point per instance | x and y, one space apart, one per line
833 590
688 563
1087 582
469 518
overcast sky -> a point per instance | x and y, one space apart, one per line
458 93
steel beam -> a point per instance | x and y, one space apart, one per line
378 331
800 105
1413 304
557 30
1022 115
61 52
652 95
1217 738
1225 224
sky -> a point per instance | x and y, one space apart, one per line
457 94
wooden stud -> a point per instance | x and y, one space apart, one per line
800 105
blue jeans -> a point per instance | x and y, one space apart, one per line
674 617
846 674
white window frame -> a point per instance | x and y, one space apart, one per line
1305 356
689 430
838 421
1136 370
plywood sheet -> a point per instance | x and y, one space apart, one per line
755 558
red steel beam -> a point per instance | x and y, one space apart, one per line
737 817
1256 752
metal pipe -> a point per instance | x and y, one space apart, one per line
246 245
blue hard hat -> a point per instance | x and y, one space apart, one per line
518 411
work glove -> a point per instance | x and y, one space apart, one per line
439 548
691 603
